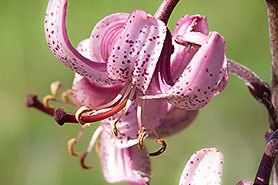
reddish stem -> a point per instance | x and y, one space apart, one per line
264 171
165 9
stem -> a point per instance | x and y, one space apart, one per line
256 85
264 171
272 11
165 9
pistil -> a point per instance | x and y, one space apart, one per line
32 101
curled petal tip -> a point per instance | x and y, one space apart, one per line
82 160
161 150
71 143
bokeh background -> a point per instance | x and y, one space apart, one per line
33 147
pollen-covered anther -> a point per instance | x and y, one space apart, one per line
114 128
54 87
82 110
142 135
161 150
71 143
65 95
46 99
82 160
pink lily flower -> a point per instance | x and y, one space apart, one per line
129 55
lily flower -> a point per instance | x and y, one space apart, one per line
132 52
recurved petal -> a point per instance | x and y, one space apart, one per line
204 167
137 50
181 55
129 165
58 41
200 79
128 125
175 121
105 34
87 93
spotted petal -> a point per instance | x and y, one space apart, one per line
105 34
181 56
87 93
203 167
129 165
136 52
58 41
200 80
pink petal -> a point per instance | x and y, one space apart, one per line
83 48
129 165
136 52
186 24
87 93
175 121
105 34
203 167
57 39
199 81
128 125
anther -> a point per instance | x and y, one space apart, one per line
82 160
114 128
142 135
161 150
80 111
46 99
65 95
54 87
71 143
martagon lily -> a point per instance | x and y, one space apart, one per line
131 55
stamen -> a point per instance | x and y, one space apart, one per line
62 117
114 128
142 135
123 93
161 150
32 101
71 143
80 111
139 112
129 101
65 95
82 159
46 100
54 87
160 141
91 144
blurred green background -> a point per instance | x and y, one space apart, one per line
33 147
